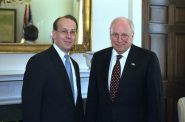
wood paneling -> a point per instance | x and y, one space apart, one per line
161 17
164 33
158 44
180 15
179 56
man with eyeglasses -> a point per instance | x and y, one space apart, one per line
125 83
51 86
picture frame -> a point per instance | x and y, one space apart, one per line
7 25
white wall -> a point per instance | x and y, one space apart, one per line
104 11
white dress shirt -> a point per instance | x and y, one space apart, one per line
113 62
62 54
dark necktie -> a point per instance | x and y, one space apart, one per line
116 72
69 71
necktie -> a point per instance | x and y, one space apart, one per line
116 72
69 71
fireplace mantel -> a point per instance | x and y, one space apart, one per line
11 85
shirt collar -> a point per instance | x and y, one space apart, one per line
125 54
59 51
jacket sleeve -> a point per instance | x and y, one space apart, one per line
154 90
33 83
92 97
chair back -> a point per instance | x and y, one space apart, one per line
181 109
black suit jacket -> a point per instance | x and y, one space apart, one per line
139 97
46 92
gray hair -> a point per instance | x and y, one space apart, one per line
127 19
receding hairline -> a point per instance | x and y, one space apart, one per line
70 17
123 19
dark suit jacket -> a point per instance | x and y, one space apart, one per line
46 92
139 97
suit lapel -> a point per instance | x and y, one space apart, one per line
105 70
57 62
60 69
130 64
129 67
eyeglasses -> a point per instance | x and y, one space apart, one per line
115 35
66 32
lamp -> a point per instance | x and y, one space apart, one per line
13 2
